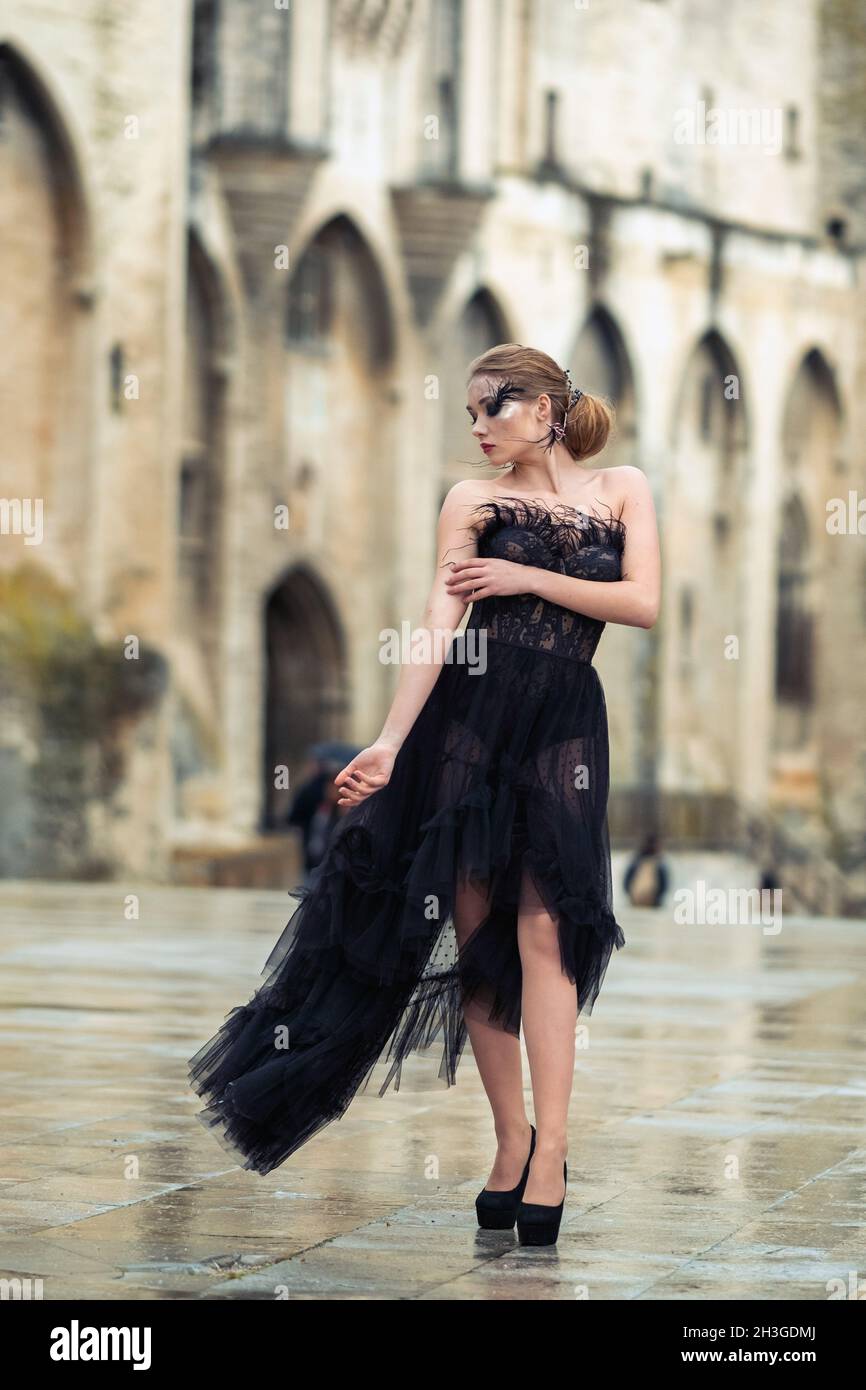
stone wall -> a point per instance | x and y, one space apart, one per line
261 245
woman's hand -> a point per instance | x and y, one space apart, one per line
474 579
366 773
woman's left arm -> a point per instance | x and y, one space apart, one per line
633 600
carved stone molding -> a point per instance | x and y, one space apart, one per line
379 26
437 222
265 188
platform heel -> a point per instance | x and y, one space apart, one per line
538 1224
497 1211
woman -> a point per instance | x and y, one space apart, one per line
468 888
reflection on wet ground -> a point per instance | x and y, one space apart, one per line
717 1128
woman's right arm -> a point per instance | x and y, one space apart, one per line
371 769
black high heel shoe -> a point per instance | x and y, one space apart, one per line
538 1224
497 1211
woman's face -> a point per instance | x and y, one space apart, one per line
503 421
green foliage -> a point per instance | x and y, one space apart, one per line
75 693
51 657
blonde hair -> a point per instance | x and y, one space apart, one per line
587 422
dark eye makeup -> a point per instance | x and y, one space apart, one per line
507 391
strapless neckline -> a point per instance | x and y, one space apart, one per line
557 524
551 509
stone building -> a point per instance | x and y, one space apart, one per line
249 248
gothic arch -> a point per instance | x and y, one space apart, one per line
480 325
813 386
338 264
615 367
47 293
713 356
602 365
305 686
21 75
811 435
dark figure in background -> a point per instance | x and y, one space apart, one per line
314 808
769 878
321 825
646 878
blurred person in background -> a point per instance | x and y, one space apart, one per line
646 878
322 824
314 808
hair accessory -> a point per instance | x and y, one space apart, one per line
574 392
574 395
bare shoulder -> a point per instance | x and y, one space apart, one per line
463 497
628 485
470 490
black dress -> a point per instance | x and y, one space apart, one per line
503 780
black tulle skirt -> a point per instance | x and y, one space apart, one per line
500 788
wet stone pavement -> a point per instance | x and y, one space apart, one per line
717 1126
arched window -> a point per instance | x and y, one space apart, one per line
46 293
306 697
601 365
794 623
480 326
811 433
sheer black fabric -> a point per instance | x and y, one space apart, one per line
500 788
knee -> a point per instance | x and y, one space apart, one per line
539 937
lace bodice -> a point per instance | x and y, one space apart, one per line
563 539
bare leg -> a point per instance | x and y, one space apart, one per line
497 1056
549 1015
